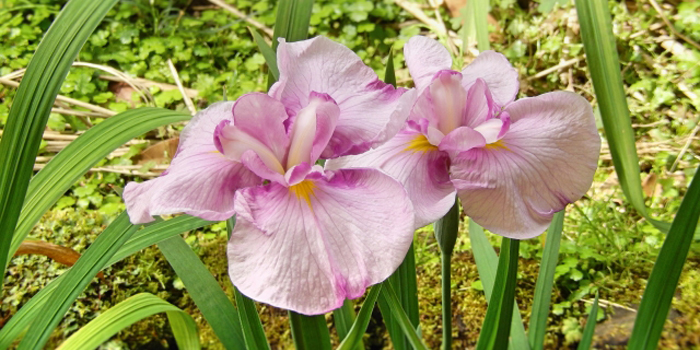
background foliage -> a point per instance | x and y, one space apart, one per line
606 247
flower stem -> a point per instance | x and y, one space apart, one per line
446 230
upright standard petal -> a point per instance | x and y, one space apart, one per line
546 160
371 111
499 75
423 170
200 180
308 247
424 58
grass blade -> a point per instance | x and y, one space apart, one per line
267 52
32 105
309 332
487 264
77 278
344 317
292 23
127 313
446 230
253 331
79 156
480 8
353 339
589 330
663 280
545 281
205 291
143 238
388 295
604 66
499 315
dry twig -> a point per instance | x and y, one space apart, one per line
186 98
236 12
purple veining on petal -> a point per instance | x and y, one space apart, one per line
217 135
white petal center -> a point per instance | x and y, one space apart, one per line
303 135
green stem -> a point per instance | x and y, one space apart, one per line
446 302
446 230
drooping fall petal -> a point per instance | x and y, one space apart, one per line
418 165
310 246
546 160
370 111
200 180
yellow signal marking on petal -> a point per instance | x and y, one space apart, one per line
420 144
304 190
497 145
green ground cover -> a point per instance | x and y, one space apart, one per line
606 247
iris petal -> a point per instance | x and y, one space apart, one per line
309 247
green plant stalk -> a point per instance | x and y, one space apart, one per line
309 332
487 265
84 270
389 297
499 314
446 230
664 277
344 319
589 330
292 24
32 105
253 331
604 66
143 238
126 313
64 169
545 281
480 9
353 339
205 291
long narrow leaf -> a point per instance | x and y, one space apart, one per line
77 278
499 315
487 264
663 281
292 24
545 281
206 292
480 9
391 299
145 237
79 156
309 332
32 105
253 331
353 339
344 317
604 66
127 313
267 52
589 331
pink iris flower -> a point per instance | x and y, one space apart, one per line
512 163
305 238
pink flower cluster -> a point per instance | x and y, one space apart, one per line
307 237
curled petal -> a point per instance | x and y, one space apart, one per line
199 131
546 160
200 180
499 75
418 165
479 104
262 117
424 58
309 247
371 111
461 140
